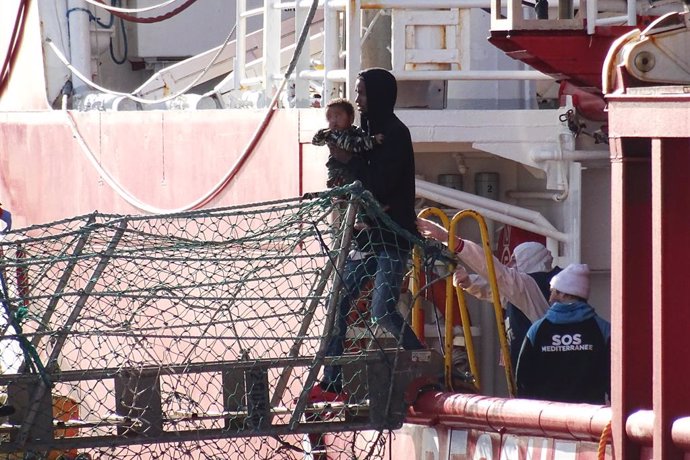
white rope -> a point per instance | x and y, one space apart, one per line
60 55
123 192
129 10
137 203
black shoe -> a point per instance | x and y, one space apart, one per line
6 410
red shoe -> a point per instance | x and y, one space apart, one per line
318 394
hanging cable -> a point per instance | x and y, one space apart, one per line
217 189
102 24
115 185
131 96
123 32
111 8
14 44
271 109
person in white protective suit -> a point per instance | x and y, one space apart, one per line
523 283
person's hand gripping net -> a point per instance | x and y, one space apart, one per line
430 229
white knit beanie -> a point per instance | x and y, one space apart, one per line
573 280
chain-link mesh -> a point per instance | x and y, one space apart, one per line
194 335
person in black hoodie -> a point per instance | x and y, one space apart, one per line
388 173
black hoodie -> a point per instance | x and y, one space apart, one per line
390 171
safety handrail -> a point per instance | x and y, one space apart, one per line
466 329
415 288
348 32
449 312
418 313
495 297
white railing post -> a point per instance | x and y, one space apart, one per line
515 12
304 60
353 59
632 12
592 15
240 44
398 26
331 53
271 47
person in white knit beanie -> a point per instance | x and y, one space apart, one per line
573 280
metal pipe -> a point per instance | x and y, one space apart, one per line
79 42
520 416
606 5
303 61
612 20
539 155
417 4
592 16
250 13
640 427
353 40
680 433
495 210
251 82
497 216
298 4
632 12
330 56
495 295
555 196
271 47
420 75
472 75
239 67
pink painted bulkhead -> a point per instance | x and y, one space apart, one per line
164 159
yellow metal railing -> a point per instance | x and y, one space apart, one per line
418 314
417 311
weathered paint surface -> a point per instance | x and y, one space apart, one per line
649 132
165 159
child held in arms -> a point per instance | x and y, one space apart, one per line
342 133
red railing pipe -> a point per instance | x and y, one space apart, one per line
583 422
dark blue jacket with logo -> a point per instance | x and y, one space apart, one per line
517 323
566 356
